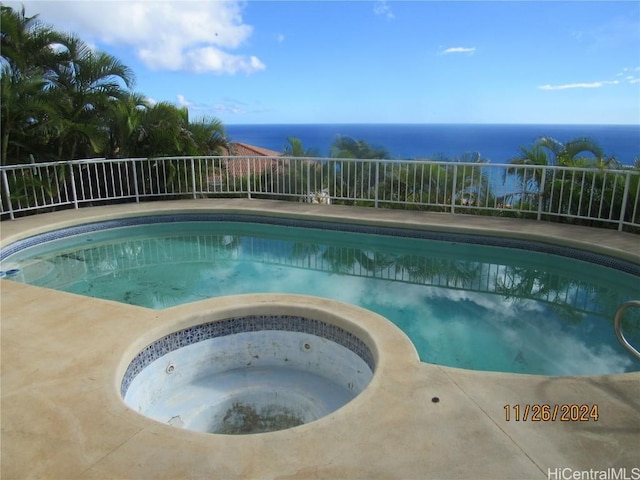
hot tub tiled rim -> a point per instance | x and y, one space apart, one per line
215 329
391 349
363 332
376 332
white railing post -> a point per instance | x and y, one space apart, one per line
453 188
625 197
375 203
308 195
135 181
7 192
74 193
193 178
541 188
248 177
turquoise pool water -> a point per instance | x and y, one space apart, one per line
462 304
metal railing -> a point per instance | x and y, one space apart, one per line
617 325
596 196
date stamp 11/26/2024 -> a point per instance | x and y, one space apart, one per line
543 412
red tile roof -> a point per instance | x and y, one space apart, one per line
237 167
243 149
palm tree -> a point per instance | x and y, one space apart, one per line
347 147
83 85
138 128
417 185
207 136
162 131
549 151
61 100
54 90
555 191
298 176
24 110
28 55
295 149
123 120
568 154
472 184
27 46
355 178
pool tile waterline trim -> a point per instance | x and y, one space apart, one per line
590 257
250 323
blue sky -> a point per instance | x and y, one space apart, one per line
259 62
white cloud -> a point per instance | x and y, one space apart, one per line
211 59
233 106
183 102
469 50
226 108
280 38
256 64
568 86
193 36
381 7
629 74
626 76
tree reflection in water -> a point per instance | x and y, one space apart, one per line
445 295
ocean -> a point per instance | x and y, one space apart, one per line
494 143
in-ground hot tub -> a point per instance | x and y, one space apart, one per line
250 373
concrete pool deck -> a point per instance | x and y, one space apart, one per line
62 416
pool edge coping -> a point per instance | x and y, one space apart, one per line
627 246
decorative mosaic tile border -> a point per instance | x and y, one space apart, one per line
251 323
598 259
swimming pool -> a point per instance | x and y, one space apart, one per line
463 301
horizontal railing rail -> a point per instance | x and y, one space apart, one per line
593 196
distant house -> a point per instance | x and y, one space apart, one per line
239 149
246 156
237 167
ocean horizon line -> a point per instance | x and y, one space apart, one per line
496 143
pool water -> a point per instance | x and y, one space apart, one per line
462 304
